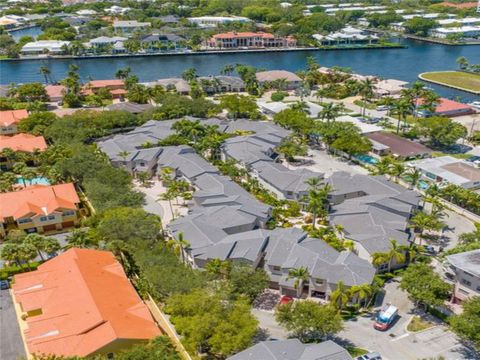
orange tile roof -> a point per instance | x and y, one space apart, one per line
446 105
95 84
38 200
55 91
86 303
23 142
10 117
467 5
236 35
118 91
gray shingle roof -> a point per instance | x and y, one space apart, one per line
131 107
467 261
293 349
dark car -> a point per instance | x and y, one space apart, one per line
4 284
370 356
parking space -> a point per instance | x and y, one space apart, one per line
11 344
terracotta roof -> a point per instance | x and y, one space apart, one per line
236 35
118 91
399 145
467 5
55 91
10 117
86 303
38 199
23 142
446 105
104 83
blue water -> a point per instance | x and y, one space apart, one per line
402 64
33 32
423 185
367 159
35 181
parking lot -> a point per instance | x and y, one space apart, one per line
11 344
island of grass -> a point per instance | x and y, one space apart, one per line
455 79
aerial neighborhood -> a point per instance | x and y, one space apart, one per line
307 189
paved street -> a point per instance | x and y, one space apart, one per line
11 344
325 163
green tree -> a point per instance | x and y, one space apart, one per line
309 320
290 148
244 280
467 324
300 276
463 63
419 26
42 244
159 348
31 92
210 323
396 252
441 132
37 122
424 286
179 244
422 221
80 238
341 296
128 224
240 106
189 74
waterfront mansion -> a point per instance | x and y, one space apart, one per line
233 40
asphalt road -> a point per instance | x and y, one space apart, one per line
11 344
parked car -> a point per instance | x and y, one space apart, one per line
430 249
285 300
383 108
370 356
4 284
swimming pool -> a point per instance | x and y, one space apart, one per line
39 180
367 159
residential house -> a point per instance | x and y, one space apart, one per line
221 83
9 120
105 43
371 211
283 182
22 143
466 273
446 107
54 47
346 37
116 87
178 84
214 21
55 92
465 31
156 42
128 27
384 143
446 170
293 349
235 40
81 303
389 87
39 208
292 81
131 107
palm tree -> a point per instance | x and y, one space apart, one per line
123 154
397 253
123 73
360 292
341 296
168 196
367 87
300 275
80 239
227 69
179 245
317 199
423 221
402 108
11 252
38 241
414 176
397 170
45 71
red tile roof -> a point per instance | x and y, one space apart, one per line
446 106
467 5
55 91
236 35
10 117
95 84
23 142
38 200
86 302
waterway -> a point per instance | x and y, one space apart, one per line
33 31
402 64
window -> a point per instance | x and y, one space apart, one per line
276 268
318 281
68 213
51 217
464 292
24 221
466 282
467 273
43 218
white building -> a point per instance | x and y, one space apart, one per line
44 46
214 21
348 35
117 10
127 27
446 170
465 31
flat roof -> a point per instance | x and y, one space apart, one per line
467 261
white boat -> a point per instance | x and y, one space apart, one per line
475 104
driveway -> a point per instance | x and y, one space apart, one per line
11 343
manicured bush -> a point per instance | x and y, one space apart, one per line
10 271
278 95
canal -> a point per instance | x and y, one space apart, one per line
403 64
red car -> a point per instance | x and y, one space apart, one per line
285 300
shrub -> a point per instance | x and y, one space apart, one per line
278 95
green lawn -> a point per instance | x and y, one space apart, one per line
418 324
459 79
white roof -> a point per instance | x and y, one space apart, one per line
461 29
274 106
50 45
364 128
